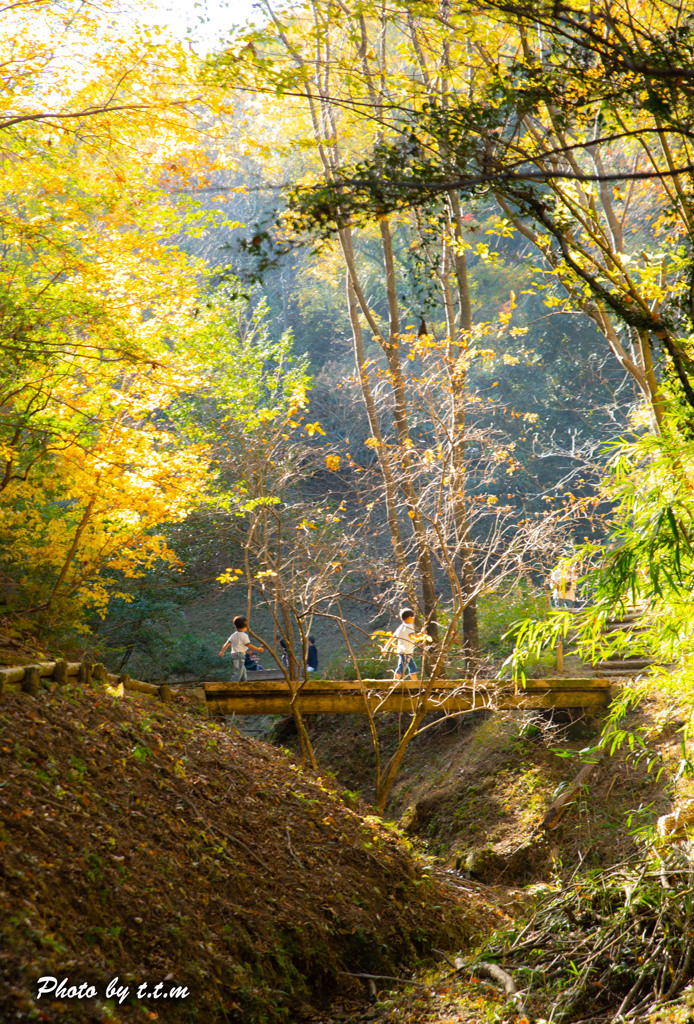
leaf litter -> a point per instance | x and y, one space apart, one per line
146 843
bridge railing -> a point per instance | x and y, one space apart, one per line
320 696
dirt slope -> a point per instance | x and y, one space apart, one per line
475 790
140 842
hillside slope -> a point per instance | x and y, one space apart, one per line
142 843
474 791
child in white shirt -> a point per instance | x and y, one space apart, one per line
240 642
405 646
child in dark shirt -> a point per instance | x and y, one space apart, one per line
312 655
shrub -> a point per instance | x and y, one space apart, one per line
498 610
372 664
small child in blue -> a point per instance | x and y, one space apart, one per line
240 642
405 646
312 655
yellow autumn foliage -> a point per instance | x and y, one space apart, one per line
99 311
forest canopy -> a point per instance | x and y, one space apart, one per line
373 303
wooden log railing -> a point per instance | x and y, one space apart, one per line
29 678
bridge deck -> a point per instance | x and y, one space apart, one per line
318 696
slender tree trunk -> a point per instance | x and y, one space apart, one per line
390 346
436 83
392 350
384 460
458 391
305 745
456 366
388 777
73 547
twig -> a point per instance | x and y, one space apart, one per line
384 977
499 975
219 831
557 808
445 957
291 849
493 971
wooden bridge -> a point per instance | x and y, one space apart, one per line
268 693
320 696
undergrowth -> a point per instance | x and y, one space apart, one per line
615 944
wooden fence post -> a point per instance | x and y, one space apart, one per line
200 695
31 681
100 675
60 673
84 676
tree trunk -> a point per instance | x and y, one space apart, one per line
459 329
386 781
73 547
392 350
384 460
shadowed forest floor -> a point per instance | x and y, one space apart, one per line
473 794
482 782
143 842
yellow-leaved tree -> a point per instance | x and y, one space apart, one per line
98 310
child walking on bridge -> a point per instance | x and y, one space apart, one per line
240 642
405 646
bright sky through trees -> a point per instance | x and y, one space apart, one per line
205 22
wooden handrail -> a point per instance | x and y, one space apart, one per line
27 678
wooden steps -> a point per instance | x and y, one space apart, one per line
625 667
621 665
